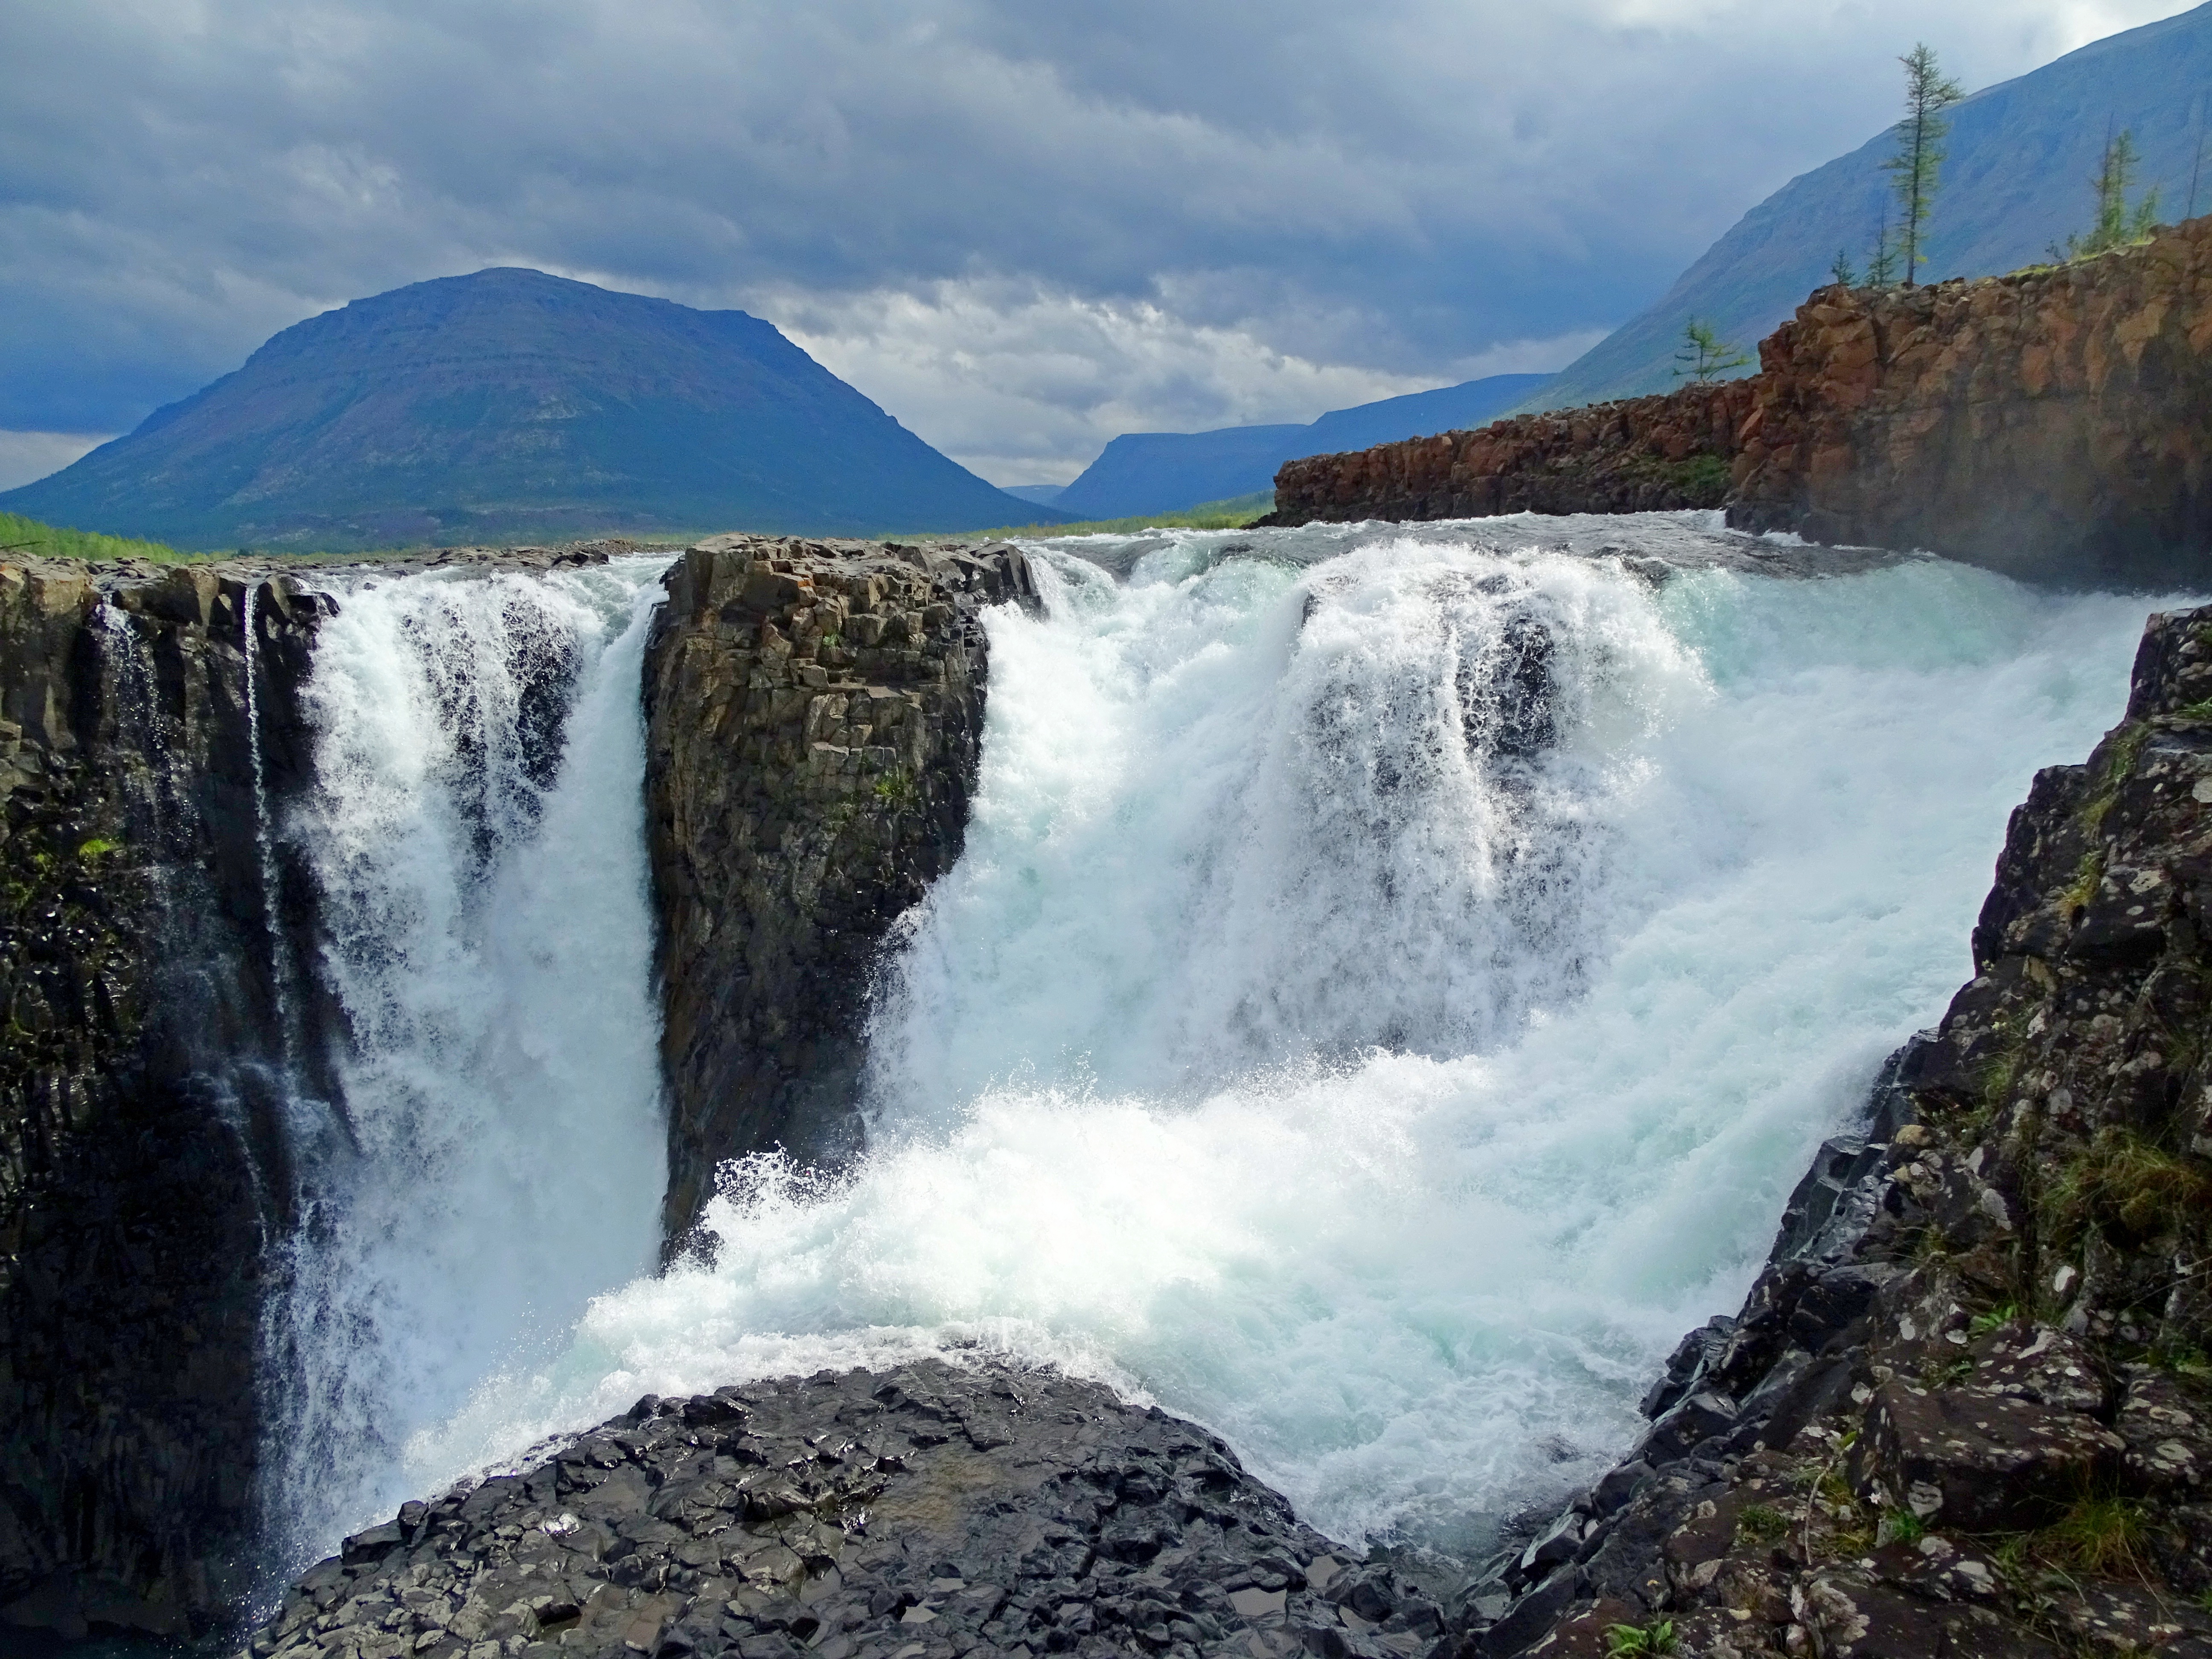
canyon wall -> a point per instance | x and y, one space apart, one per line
137 1127
1639 455
814 721
2049 424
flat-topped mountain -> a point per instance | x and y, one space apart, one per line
512 403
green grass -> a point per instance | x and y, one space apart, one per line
35 540
1232 513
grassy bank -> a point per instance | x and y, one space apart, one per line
35 540
1233 513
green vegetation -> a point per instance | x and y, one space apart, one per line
1234 513
29 535
2107 1536
1634 1641
1762 1523
2127 1189
1703 357
1996 1319
2116 225
897 789
1912 170
1882 262
97 847
1899 1527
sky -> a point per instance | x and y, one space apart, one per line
1021 229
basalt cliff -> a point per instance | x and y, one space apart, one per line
2049 424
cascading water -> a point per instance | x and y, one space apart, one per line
1383 1003
477 833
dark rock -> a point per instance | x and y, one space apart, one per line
950 1541
814 721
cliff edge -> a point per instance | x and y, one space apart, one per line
2049 424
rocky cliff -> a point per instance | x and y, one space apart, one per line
814 719
2048 424
1968 1407
1641 455
147 721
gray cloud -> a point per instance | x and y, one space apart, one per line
1021 229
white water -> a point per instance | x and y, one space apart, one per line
477 831
1387 1102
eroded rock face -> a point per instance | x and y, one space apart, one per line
929 1511
2047 424
1965 1408
815 716
1641 454
134 1151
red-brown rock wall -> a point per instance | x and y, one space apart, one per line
1639 454
2056 422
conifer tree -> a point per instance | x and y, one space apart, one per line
1881 262
2114 226
1841 270
1705 356
1912 170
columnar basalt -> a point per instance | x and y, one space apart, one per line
134 1199
1964 1409
815 718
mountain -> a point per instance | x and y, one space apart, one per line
512 404
1167 472
1042 494
2021 154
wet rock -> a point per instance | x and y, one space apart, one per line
814 718
910 1538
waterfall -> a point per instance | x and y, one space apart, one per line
495 1156
1384 999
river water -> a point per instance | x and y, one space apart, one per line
1390 987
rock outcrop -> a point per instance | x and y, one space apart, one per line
814 719
929 1511
2049 424
135 1139
1643 454
1968 1407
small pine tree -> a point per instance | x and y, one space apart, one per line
1881 262
1912 171
1841 270
1705 356
2115 225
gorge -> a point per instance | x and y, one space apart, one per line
1367 990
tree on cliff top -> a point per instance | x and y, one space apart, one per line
1928 92
2114 226
1705 356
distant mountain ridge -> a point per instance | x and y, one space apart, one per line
2016 179
1167 472
511 403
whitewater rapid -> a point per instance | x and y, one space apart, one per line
1317 1036
495 1157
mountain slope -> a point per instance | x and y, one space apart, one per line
2021 154
512 403
1167 472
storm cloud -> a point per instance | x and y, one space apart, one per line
1021 229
